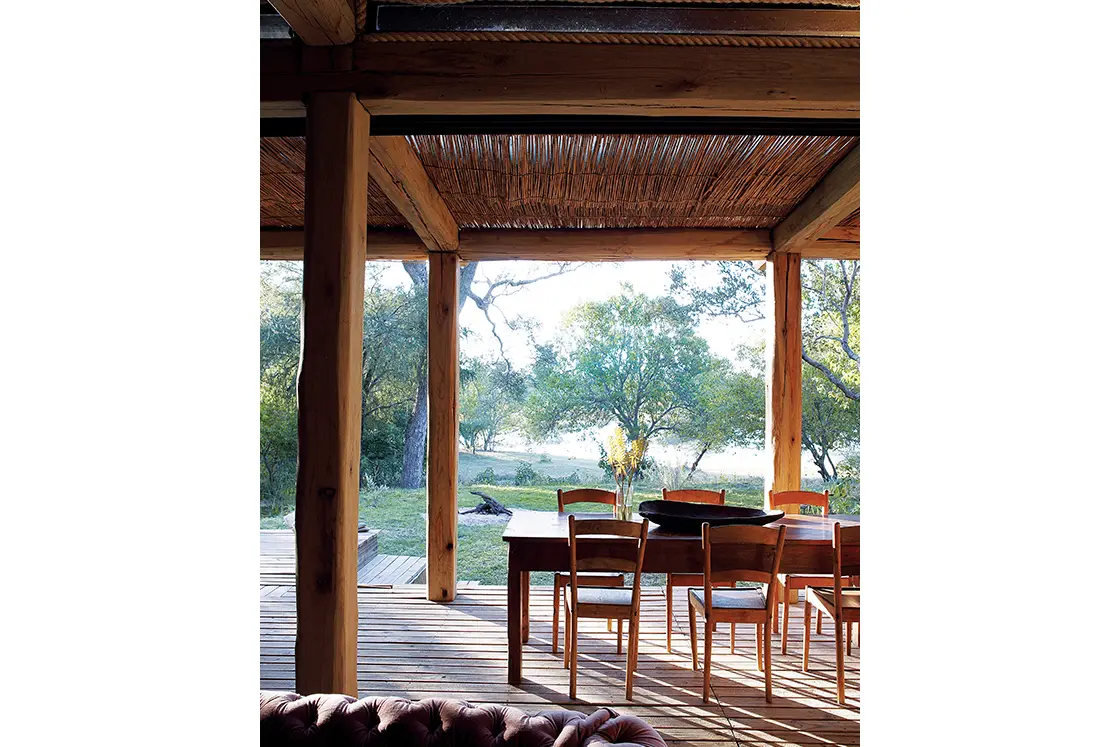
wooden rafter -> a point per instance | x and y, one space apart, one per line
319 22
396 168
529 78
580 244
830 249
840 242
558 244
381 243
831 201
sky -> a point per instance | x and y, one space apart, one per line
549 301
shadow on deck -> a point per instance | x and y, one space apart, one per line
413 648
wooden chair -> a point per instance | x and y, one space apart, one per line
560 580
845 564
788 583
618 546
714 497
737 553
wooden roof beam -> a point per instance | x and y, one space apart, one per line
395 166
538 78
319 22
555 244
831 201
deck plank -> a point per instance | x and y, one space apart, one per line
410 647
278 563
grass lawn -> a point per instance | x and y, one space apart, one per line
399 514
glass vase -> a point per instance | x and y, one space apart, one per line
624 503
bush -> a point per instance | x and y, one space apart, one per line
545 459
486 477
525 474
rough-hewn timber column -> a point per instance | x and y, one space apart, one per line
443 423
329 395
783 376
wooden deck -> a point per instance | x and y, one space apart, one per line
278 562
413 648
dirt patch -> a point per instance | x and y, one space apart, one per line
481 519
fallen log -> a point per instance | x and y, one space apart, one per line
488 506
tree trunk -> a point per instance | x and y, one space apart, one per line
822 461
415 435
696 463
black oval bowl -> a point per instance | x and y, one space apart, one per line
679 516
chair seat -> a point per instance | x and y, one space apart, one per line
730 599
806 580
619 596
825 598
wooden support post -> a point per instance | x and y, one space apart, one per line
329 398
443 423
783 376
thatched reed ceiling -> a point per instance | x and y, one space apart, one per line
282 165
588 181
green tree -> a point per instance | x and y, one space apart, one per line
730 409
830 309
486 294
830 322
631 359
490 397
829 422
279 361
392 354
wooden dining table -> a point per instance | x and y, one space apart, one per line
538 541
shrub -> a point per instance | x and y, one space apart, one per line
545 459
525 474
663 474
486 477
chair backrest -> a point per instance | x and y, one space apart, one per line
801 498
742 553
716 497
845 550
585 495
606 545
845 560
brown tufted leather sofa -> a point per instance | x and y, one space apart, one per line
290 719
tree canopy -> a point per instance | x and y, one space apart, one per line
631 359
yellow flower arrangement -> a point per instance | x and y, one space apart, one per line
624 457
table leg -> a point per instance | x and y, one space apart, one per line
513 619
524 606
